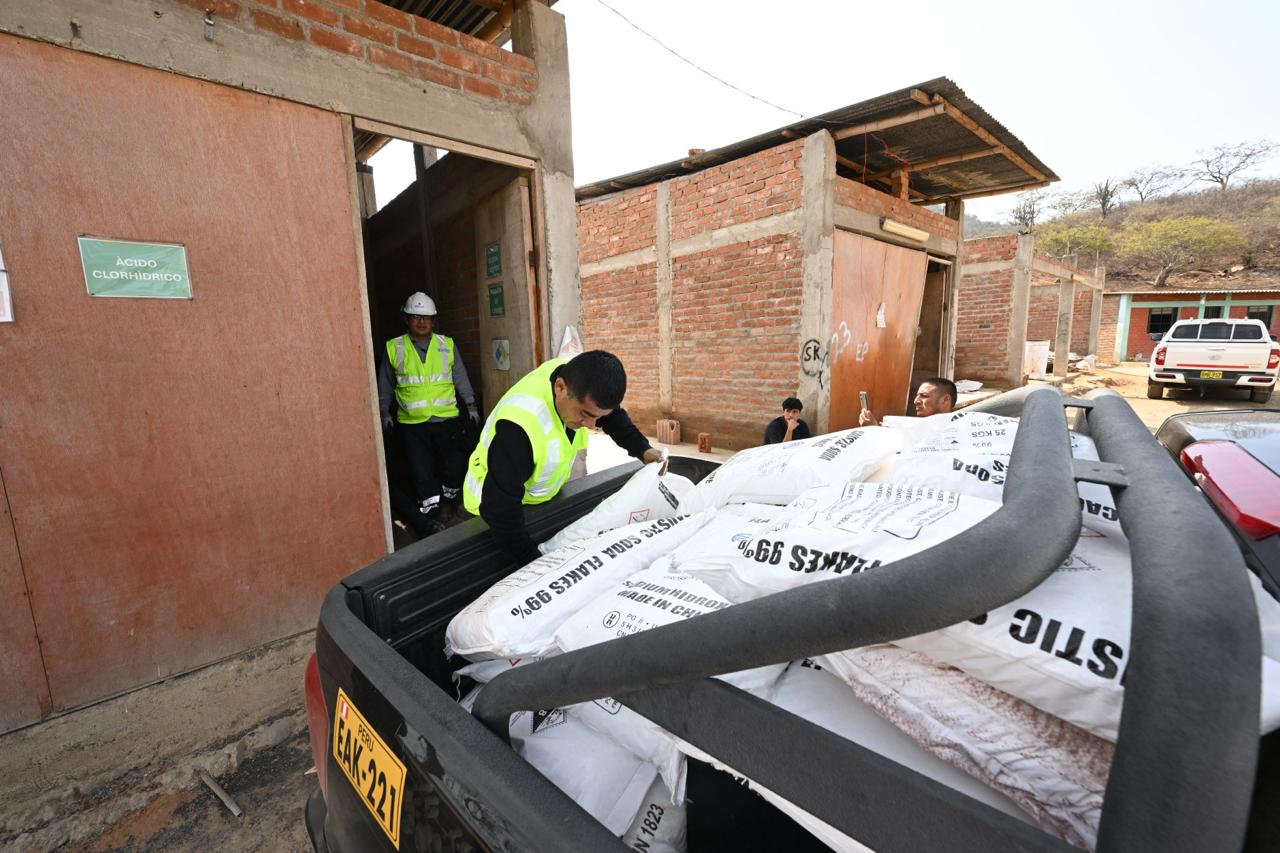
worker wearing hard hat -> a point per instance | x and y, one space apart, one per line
419 385
529 442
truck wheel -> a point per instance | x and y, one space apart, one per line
1154 390
1261 395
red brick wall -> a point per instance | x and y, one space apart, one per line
986 249
1080 320
1042 314
1107 328
376 34
736 315
752 187
618 224
618 314
454 250
982 325
860 197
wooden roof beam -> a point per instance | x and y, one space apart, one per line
987 137
892 121
942 161
499 23
1020 187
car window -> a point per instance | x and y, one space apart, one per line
1215 332
1185 333
1246 332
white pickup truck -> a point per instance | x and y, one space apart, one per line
1205 353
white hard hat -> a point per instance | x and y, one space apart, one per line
420 304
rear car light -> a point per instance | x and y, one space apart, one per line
1160 357
1246 491
318 722
1274 360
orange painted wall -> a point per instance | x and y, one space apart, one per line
186 478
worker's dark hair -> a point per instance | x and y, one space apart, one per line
599 374
948 387
792 403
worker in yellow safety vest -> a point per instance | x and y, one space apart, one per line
529 442
419 384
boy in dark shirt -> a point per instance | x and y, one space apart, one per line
789 426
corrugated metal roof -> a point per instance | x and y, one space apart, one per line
880 151
1197 282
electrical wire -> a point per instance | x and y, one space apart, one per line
695 65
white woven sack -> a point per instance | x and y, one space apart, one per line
645 496
660 827
518 615
727 526
777 473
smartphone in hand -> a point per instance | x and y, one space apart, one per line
862 399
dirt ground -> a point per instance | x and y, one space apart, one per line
273 786
1130 381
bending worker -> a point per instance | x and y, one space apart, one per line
427 378
936 396
529 442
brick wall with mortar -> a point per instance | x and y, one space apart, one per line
1107 328
752 187
376 34
616 224
982 325
1042 314
1080 316
618 310
736 311
984 249
860 197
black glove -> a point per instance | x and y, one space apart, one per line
388 423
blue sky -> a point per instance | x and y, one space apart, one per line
1094 89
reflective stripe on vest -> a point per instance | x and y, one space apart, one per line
424 388
530 404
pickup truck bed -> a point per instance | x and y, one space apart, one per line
1184 770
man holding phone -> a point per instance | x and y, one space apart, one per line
936 396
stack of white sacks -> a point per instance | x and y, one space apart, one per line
1017 708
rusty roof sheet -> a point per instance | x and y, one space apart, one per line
1201 281
876 153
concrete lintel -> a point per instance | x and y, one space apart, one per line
1066 311
988 266
1048 267
647 255
665 287
171 39
861 222
1019 303
817 243
770 226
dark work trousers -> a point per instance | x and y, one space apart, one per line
433 450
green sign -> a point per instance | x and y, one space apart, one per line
497 304
493 259
124 268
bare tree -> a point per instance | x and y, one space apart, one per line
1027 210
1065 203
1219 164
1106 195
1154 181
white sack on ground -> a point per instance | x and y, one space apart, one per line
660 827
776 473
624 728
1053 770
646 496
603 778
518 615
832 531
969 453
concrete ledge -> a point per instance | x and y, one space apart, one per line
66 779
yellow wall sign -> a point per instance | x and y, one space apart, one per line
373 769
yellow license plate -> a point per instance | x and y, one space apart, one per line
374 770
1211 374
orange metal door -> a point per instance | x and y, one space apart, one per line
186 477
875 313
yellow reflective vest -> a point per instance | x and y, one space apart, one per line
530 404
424 388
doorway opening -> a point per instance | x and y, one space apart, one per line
460 229
931 334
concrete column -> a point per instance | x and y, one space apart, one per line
817 242
662 273
1095 321
1018 304
954 210
539 33
1066 308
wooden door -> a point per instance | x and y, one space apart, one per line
875 314
927 361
